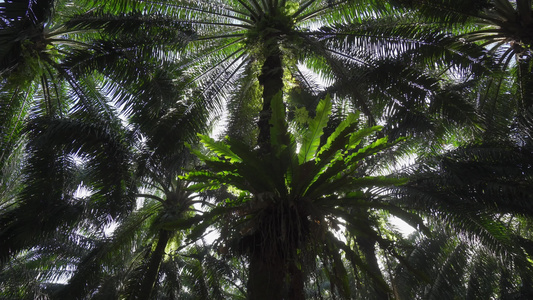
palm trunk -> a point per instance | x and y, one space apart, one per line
296 284
526 85
273 269
266 278
272 279
271 79
150 277
366 246
525 107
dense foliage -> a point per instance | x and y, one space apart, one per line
266 149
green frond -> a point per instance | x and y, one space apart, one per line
220 148
103 255
340 138
311 137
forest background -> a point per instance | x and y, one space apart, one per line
339 117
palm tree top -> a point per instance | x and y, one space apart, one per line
247 51
506 24
258 21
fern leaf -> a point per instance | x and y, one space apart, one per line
369 150
219 148
343 129
311 138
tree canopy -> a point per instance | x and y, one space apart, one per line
266 149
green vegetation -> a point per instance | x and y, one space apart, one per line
338 118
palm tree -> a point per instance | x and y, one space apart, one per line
76 137
503 26
118 166
61 62
245 53
57 56
288 196
504 29
479 200
286 203
445 266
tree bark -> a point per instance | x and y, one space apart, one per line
150 277
273 270
526 87
271 79
296 284
266 278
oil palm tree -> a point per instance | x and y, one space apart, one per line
119 167
480 205
247 52
161 234
67 66
504 26
256 53
90 65
447 266
57 56
252 55
286 203
504 29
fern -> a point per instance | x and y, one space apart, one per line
311 136
219 148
